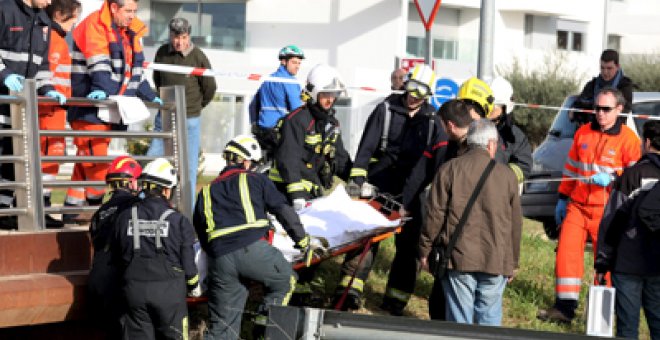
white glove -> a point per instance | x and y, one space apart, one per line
368 190
195 292
299 204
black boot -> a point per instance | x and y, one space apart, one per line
51 222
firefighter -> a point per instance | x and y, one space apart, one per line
64 14
107 60
104 280
310 154
600 151
232 227
23 54
402 142
275 100
154 243
514 149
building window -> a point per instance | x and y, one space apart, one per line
442 48
570 35
614 42
219 25
529 29
562 40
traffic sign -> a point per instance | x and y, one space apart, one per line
409 63
445 90
427 10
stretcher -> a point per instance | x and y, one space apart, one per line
385 204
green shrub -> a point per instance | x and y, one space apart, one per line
644 70
547 85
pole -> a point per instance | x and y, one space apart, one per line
429 47
606 6
486 28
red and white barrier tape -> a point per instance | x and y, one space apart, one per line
556 108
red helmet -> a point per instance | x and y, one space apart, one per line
123 168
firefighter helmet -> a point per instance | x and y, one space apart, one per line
291 51
419 82
323 78
123 168
245 147
476 91
160 172
503 93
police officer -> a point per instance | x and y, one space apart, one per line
402 142
155 245
103 284
230 220
310 154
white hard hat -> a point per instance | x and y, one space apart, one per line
323 78
423 75
161 172
503 93
244 146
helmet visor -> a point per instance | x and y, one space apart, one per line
417 89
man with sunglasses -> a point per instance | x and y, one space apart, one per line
600 151
400 135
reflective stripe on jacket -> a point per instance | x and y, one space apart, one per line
594 151
277 99
109 59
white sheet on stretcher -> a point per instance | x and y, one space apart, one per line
337 218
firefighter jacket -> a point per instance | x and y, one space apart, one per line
275 100
24 39
109 59
595 151
102 226
514 149
230 213
59 60
625 244
177 237
403 159
310 152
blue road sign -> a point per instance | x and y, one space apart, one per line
445 90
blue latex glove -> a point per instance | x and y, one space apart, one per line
54 94
602 178
158 101
560 211
97 94
14 82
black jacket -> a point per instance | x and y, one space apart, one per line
199 89
310 152
588 96
514 149
230 213
24 40
102 227
177 246
625 245
415 148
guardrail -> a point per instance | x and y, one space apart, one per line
25 133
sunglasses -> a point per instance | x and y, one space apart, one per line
605 109
417 90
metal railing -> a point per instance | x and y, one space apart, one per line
25 133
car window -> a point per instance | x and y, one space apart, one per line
645 108
562 126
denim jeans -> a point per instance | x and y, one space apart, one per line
157 149
474 297
632 293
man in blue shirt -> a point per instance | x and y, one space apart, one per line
276 99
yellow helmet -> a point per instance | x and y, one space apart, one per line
478 92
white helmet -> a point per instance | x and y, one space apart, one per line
323 78
160 172
420 81
244 146
503 92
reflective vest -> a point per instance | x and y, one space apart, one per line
59 60
595 151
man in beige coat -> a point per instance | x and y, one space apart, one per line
486 254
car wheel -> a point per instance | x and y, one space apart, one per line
551 228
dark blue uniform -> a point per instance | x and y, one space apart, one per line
156 268
230 220
104 281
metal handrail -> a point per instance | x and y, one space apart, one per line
27 159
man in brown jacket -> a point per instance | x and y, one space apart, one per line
486 254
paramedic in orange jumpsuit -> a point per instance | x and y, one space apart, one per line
64 14
107 59
600 151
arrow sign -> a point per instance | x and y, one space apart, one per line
427 10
